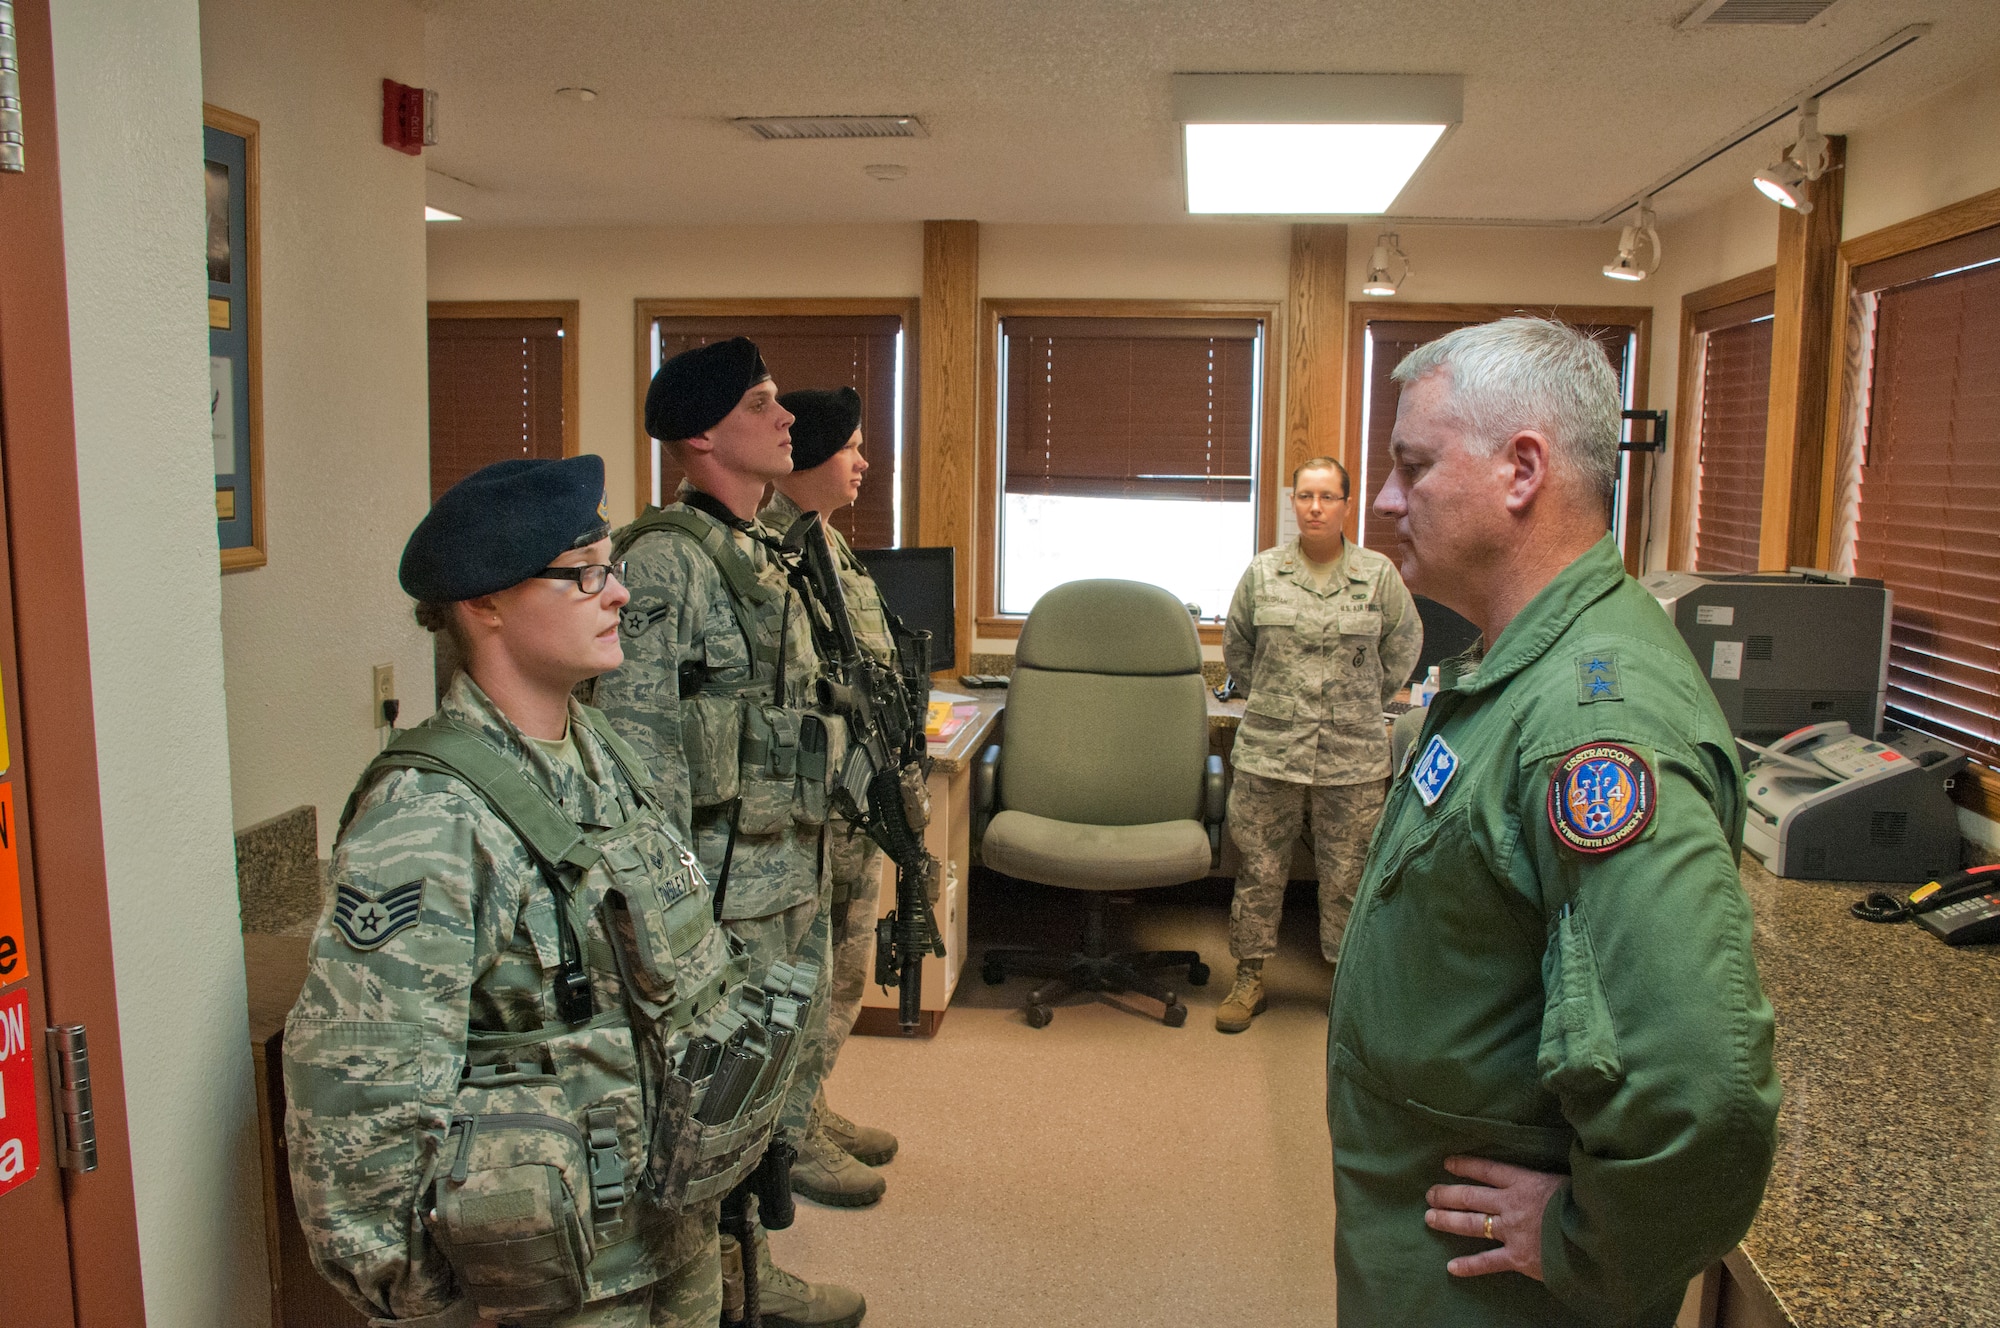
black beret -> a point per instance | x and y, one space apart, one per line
822 423
502 524
696 388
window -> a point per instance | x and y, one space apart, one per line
501 386
1380 343
1129 445
1734 346
1924 483
864 349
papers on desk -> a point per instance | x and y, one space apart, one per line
944 721
955 698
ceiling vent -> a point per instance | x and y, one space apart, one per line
1755 13
774 127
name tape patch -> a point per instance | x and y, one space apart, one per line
1601 797
366 922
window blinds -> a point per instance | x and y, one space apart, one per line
1735 409
1131 407
819 351
1929 522
496 393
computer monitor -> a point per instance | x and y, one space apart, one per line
1445 634
920 586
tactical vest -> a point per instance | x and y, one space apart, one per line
748 742
661 1079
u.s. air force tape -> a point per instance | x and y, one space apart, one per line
1601 796
365 922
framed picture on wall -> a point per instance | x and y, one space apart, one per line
235 354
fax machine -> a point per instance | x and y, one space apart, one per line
1827 804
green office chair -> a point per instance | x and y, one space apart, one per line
1103 781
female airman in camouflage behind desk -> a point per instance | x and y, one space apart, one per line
443 933
1324 633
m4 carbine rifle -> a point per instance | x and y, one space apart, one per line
881 788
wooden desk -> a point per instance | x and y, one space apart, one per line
949 839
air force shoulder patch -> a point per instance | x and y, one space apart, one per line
1601 797
365 922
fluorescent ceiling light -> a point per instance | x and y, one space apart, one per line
1328 144
439 214
1319 168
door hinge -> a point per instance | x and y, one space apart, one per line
69 1076
13 146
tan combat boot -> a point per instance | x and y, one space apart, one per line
864 1143
1245 1000
828 1174
787 1301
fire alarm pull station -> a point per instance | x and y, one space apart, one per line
409 117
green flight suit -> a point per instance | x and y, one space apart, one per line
1593 1011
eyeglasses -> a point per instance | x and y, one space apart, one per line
590 578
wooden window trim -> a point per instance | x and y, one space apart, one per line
1637 317
990 623
572 358
257 552
1980 790
1707 300
646 310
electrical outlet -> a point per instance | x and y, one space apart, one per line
385 690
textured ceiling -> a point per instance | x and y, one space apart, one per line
1060 110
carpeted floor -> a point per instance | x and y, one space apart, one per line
1105 1170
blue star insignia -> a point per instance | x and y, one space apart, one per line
1598 666
1599 687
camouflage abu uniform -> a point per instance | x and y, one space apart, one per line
1320 663
681 699
854 859
375 1046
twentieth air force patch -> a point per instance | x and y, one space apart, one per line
1601 796
365 922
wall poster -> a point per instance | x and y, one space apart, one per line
235 369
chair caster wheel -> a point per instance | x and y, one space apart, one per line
1175 1016
993 974
1039 1016
1197 975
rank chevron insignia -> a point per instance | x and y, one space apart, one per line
365 922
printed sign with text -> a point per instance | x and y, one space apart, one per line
20 1145
13 937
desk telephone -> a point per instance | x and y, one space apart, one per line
1960 909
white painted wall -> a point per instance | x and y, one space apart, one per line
346 406
128 85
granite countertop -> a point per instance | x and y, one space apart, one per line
1884 1203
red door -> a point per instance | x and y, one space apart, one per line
68 1239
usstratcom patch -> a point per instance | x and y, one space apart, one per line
366 922
1601 796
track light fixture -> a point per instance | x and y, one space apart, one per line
1643 231
1388 250
1784 180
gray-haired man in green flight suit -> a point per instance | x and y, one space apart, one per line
1549 1077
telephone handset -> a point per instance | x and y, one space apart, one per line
1961 909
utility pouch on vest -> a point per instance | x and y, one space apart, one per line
658 913
712 740
768 780
511 1201
822 754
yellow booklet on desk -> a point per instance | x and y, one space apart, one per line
936 717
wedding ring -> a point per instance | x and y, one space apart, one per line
1489 1226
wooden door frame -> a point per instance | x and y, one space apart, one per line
990 485
646 310
1637 317
568 311
56 764
1687 439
